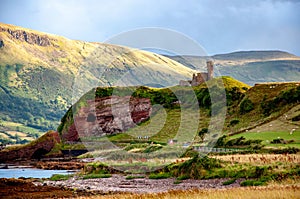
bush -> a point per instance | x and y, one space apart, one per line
228 182
246 106
234 122
281 141
58 177
195 168
159 175
252 183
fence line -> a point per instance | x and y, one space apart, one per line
215 150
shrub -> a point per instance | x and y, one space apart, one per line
228 182
195 168
159 175
183 177
234 122
252 183
278 141
58 177
246 106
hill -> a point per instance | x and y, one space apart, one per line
250 67
248 108
41 75
252 106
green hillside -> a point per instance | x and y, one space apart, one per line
40 73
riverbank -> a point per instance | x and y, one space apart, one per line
119 183
34 188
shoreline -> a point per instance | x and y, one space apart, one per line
119 183
35 188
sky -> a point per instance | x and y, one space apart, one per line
219 26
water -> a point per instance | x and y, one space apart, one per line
30 173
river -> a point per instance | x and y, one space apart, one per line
27 172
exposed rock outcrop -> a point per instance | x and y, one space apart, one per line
31 38
108 115
35 149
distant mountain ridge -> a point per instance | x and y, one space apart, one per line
256 55
250 67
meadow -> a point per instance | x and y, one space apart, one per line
290 139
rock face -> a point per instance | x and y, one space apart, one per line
35 149
108 115
31 38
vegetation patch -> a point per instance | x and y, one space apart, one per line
96 175
159 175
252 183
134 177
230 181
58 177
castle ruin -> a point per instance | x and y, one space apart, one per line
199 78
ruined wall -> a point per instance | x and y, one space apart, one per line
210 69
199 78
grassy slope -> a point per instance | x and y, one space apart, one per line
260 93
36 81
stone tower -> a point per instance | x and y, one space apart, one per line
210 69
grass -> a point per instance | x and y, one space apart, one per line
267 137
267 192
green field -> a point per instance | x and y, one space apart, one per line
267 137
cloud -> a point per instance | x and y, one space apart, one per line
219 26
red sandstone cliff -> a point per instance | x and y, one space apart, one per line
35 149
107 115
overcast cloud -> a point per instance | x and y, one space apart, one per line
220 26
